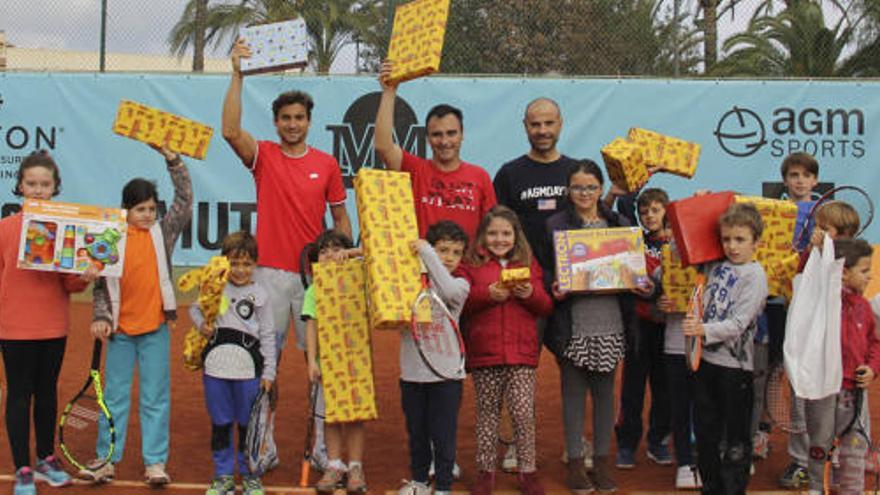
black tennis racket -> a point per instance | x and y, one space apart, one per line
310 435
436 334
258 440
857 197
779 399
853 425
78 426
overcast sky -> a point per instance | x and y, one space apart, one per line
142 26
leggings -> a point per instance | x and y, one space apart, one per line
32 368
514 385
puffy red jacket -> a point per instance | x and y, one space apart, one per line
858 338
503 333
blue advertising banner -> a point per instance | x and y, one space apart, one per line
745 128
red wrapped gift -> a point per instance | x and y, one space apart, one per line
694 223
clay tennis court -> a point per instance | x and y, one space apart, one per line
386 457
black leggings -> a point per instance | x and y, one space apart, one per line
32 368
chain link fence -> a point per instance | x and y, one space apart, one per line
661 38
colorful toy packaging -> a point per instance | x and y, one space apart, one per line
388 225
211 280
600 260
344 341
276 47
417 38
68 237
153 126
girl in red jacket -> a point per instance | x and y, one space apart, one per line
501 338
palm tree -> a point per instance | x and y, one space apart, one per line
797 43
332 24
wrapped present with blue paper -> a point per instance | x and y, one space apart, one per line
276 47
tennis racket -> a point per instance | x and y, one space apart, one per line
779 399
436 334
259 445
854 424
310 434
857 197
78 426
693 345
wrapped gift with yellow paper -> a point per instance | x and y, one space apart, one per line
153 126
678 281
625 162
388 226
514 276
417 38
669 154
344 341
775 245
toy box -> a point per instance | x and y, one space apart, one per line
344 341
626 165
153 126
417 38
388 226
68 237
670 154
593 260
694 223
276 47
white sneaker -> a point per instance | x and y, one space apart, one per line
97 473
414 488
688 478
456 471
509 463
155 475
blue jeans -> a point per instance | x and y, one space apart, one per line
229 402
149 352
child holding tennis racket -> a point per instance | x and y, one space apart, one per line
845 414
430 374
734 297
34 323
333 245
137 310
501 341
239 361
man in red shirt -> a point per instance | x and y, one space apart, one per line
444 187
295 183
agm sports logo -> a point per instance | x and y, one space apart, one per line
823 133
353 138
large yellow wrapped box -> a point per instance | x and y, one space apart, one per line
417 38
388 226
779 218
625 162
678 281
344 341
670 154
153 126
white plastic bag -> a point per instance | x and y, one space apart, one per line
812 329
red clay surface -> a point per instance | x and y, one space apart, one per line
386 457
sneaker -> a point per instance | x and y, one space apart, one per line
456 471
414 488
659 453
794 476
97 471
331 480
251 485
760 445
626 459
24 482
356 482
50 471
223 485
529 484
155 475
688 478
588 454
318 460
509 463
